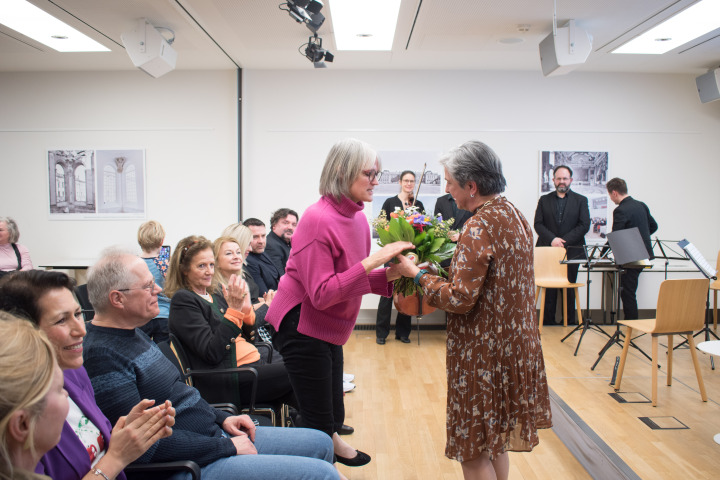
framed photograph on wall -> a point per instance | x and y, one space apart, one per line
96 184
589 179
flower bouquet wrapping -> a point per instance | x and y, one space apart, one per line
429 234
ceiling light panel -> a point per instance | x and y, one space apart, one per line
39 25
693 22
364 24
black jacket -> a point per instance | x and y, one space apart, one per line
633 213
572 229
263 271
278 251
447 207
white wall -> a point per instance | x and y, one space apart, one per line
660 138
185 121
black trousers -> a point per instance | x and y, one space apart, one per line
551 299
403 322
315 368
628 288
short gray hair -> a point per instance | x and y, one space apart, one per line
12 228
109 273
346 159
474 161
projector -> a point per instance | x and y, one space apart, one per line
565 50
148 50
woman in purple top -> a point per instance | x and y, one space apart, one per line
86 450
318 299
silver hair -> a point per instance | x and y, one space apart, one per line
474 161
12 228
109 273
346 159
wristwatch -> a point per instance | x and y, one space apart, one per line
418 275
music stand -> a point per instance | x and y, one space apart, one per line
710 273
593 253
628 249
664 249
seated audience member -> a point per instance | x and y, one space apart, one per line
282 226
211 328
13 256
262 269
151 237
45 298
125 366
226 264
33 402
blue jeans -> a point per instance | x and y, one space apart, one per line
283 454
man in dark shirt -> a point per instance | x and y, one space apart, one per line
259 265
282 226
562 219
630 213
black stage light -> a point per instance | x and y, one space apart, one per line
316 54
316 22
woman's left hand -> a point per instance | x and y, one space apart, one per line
236 293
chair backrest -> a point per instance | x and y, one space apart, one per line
81 292
548 266
681 305
181 359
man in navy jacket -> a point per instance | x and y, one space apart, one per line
260 266
562 219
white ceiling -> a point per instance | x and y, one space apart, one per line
431 34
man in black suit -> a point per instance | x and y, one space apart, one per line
282 226
261 268
447 207
562 219
630 213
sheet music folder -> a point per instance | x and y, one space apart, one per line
694 254
628 248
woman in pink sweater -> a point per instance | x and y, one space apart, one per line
318 299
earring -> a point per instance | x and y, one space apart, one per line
472 195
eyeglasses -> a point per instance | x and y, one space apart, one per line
372 174
150 287
408 181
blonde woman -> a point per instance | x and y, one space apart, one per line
33 402
205 324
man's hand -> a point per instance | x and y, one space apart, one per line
243 445
557 242
240 425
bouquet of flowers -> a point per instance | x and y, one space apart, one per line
429 234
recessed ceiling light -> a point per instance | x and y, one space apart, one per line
511 40
364 24
693 22
39 25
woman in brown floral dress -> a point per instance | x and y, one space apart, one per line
497 388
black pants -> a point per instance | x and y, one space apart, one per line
382 325
628 288
315 368
551 299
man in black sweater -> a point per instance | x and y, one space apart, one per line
630 213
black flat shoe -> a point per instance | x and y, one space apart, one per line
358 460
403 339
380 341
346 430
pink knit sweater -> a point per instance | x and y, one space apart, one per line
324 272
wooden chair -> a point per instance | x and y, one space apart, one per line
715 286
550 273
680 311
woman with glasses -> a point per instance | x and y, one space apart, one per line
318 299
402 201
210 327
87 445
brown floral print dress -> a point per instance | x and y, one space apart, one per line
497 388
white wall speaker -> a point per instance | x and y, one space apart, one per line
708 86
565 50
148 49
